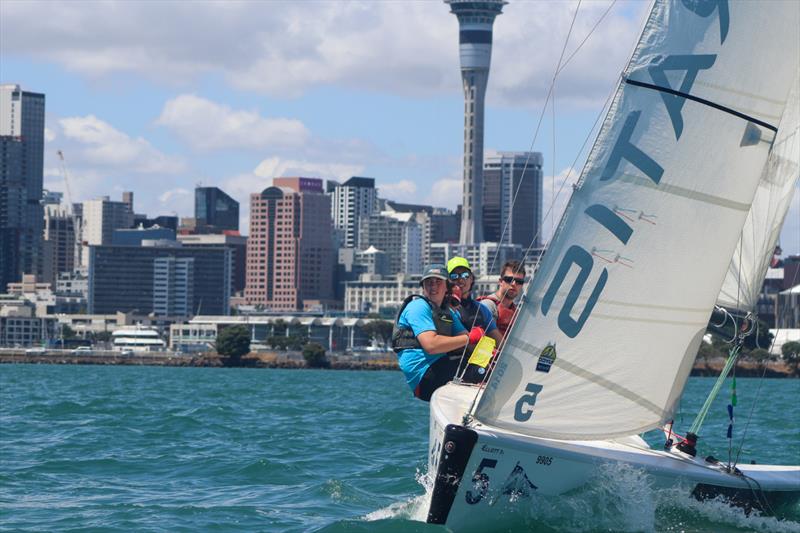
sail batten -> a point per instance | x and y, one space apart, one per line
652 226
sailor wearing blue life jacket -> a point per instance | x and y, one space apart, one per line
425 331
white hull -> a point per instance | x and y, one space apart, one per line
504 466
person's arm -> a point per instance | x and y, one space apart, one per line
496 335
434 343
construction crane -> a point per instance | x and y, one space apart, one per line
76 225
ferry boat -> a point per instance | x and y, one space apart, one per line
138 339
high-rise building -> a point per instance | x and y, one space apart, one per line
512 198
21 174
100 217
351 200
58 246
404 236
215 211
475 20
159 277
236 243
290 255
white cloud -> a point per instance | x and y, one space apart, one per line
208 125
401 191
447 192
101 145
288 48
276 167
49 135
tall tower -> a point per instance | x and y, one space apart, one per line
475 19
21 174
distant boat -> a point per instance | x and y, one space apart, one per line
677 211
138 339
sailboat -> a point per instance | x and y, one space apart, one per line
676 212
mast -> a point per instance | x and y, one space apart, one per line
617 311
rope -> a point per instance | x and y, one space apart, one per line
524 170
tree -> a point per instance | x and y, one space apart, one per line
791 353
233 342
67 332
379 331
759 355
314 355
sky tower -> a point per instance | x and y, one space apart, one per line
475 19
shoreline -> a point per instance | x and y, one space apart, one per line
294 360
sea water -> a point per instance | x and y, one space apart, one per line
194 449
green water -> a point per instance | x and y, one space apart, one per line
195 449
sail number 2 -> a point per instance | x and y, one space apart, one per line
625 150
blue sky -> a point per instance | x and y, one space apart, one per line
156 97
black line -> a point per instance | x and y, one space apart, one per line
702 101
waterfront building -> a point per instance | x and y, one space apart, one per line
215 211
124 278
233 241
290 254
335 334
787 308
379 295
21 174
20 326
100 217
475 20
512 198
350 201
403 236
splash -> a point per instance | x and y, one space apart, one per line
415 509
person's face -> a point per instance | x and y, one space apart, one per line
511 283
462 278
435 289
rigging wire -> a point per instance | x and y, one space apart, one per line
602 112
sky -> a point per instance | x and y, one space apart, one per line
159 97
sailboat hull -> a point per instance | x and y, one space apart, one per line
479 471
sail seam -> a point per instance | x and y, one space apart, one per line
684 193
609 385
703 101
647 320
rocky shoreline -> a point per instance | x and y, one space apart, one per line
294 360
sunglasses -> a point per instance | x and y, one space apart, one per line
463 275
512 279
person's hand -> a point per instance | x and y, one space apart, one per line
475 335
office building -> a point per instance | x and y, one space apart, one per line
485 258
135 236
403 236
21 174
290 253
100 217
379 295
58 246
237 245
475 20
512 198
215 211
350 201
124 278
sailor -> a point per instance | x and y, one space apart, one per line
501 303
470 311
425 332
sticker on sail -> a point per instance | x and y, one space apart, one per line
546 358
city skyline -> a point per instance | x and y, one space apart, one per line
238 94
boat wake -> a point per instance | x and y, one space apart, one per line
618 498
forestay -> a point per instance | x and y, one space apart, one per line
614 317
762 228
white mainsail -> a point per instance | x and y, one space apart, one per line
756 246
614 317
